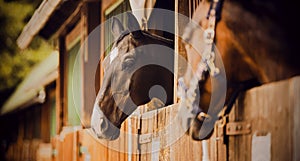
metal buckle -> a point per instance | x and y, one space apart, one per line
238 128
209 35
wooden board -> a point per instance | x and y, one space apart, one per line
69 147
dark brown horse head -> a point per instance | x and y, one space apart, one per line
138 68
256 40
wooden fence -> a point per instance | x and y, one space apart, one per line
263 125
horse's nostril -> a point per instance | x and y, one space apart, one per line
103 124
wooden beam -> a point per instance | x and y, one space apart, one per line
72 19
37 22
61 113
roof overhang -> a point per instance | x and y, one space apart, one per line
47 20
31 89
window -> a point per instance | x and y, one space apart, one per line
74 76
74 92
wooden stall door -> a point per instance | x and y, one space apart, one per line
162 139
65 145
92 149
153 144
273 111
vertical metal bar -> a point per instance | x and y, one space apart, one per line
176 46
190 9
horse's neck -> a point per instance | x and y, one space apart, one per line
257 45
252 47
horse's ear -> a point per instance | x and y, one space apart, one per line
133 25
117 27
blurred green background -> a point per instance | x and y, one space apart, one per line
15 63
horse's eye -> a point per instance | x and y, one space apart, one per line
128 62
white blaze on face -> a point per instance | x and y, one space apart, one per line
113 54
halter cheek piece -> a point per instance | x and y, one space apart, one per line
188 95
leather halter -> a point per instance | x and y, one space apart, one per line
188 95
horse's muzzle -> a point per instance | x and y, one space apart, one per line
102 127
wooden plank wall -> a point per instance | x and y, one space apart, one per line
167 136
65 145
90 148
273 111
160 137
153 143
23 150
